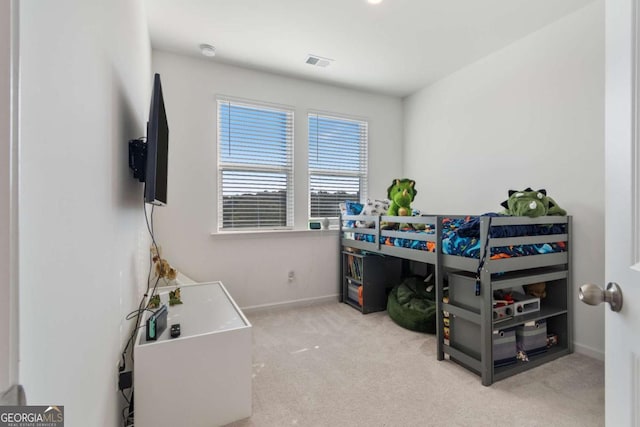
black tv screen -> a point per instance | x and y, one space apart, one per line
157 149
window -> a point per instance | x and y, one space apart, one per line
255 171
337 163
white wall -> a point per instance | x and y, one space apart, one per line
8 242
254 268
85 91
5 183
531 114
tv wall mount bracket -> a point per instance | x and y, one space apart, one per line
138 158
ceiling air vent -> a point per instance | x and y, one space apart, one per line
318 61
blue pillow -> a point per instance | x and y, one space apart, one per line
353 208
350 208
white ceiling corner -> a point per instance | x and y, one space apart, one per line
395 48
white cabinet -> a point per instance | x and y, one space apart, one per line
203 377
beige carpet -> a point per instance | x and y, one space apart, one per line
328 365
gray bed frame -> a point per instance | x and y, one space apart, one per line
519 271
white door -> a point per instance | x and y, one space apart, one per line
622 169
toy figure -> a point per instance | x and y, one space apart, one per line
174 297
401 193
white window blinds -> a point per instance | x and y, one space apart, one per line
337 163
255 170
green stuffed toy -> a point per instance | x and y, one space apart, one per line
401 193
531 203
554 209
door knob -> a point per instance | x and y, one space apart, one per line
594 295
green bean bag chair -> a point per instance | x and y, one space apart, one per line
412 305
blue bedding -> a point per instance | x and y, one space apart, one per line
407 242
470 227
462 237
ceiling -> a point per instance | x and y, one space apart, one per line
396 47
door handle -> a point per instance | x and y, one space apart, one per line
594 295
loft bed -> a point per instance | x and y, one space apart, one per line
509 252
497 243
488 245
412 238
418 242
497 252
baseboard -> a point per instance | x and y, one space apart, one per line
588 351
14 395
291 304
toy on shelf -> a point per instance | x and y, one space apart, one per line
154 301
538 290
163 270
174 297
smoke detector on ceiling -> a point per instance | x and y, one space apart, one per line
318 61
207 50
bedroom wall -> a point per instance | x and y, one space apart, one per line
254 267
85 90
8 308
531 114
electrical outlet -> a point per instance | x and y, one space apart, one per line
291 275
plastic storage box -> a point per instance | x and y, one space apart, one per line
462 291
353 291
531 337
465 336
504 347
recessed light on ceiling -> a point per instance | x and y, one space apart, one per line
207 50
374 1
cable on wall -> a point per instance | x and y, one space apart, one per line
124 380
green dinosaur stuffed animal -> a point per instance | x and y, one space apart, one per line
526 203
554 209
531 203
401 193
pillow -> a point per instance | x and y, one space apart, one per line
350 208
373 208
353 208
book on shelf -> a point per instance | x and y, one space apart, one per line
354 267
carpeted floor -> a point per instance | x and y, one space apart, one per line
329 365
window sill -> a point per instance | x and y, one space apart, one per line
260 234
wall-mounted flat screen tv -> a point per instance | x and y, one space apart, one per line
157 149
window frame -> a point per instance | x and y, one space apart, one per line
363 163
288 169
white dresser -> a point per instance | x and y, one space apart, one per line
203 377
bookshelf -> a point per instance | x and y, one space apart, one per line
366 278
